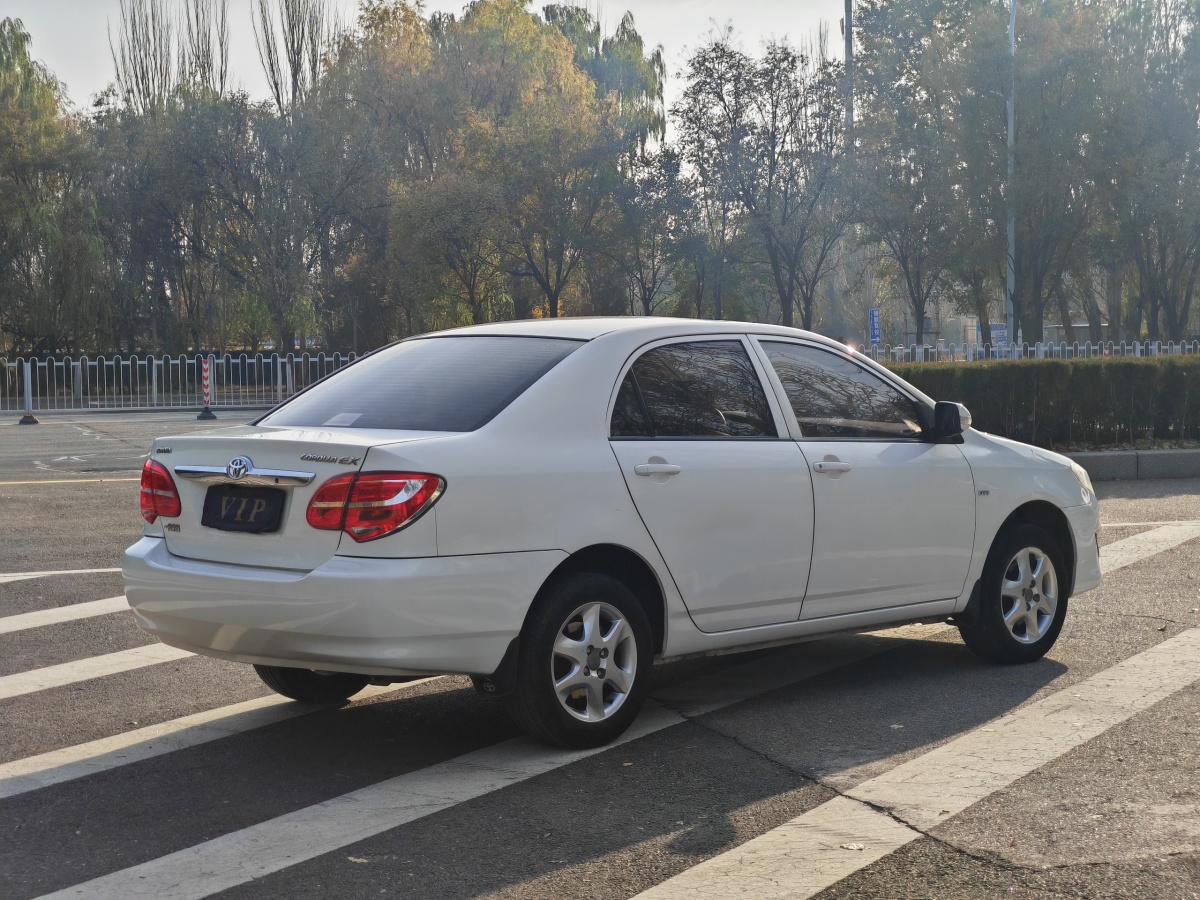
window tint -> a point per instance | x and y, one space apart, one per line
834 397
703 389
427 384
628 419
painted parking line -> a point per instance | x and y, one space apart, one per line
838 838
59 614
6 577
81 760
86 669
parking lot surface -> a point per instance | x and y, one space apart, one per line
893 764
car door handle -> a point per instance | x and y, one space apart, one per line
656 469
826 466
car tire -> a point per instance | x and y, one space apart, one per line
308 686
584 663
1022 598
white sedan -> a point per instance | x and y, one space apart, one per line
550 506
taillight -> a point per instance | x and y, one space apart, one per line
328 504
371 505
159 496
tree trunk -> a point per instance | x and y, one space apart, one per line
1064 313
1114 282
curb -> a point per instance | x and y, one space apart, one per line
1133 465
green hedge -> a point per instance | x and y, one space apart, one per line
1073 404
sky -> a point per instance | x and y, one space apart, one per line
71 36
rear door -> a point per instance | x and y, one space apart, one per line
724 493
895 514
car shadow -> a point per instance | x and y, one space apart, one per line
657 804
635 814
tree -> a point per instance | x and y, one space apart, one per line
1151 155
50 260
907 156
1059 60
766 134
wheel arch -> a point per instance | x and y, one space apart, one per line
627 567
1047 516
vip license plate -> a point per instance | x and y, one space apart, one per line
251 509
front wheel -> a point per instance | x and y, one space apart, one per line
308 686
1022 599
585 659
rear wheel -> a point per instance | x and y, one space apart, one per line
1022 599
585 659
308 686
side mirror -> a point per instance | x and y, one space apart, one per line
950 419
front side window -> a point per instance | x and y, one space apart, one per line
700 389
834 397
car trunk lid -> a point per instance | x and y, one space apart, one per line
249 475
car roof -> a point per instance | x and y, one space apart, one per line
588 328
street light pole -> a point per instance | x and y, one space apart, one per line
848 29
1012 229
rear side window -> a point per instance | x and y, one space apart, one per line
834 397
427 384
703 389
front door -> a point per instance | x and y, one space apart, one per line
727 500
895 514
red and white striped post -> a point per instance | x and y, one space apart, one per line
206 367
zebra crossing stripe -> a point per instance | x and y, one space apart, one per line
7 577
59 614
85 669
81 760
836 839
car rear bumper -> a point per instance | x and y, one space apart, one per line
1085 526
453 614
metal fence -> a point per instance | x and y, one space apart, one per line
943 352
242 381
159 382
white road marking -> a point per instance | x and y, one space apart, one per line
70 480
1148 524
690 699
69 763
1129 550
821 847
1111 697
6 577
9 624
276 844
85 669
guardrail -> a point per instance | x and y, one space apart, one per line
942 352
236 381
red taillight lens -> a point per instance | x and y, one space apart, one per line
372 504
328 504
159 496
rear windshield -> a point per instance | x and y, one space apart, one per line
427 384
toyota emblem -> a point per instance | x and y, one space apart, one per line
238 467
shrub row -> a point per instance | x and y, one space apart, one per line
1072 404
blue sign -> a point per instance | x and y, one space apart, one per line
876 327
999 334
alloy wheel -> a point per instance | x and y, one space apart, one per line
594 662
1029 595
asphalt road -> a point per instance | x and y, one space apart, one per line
425 790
